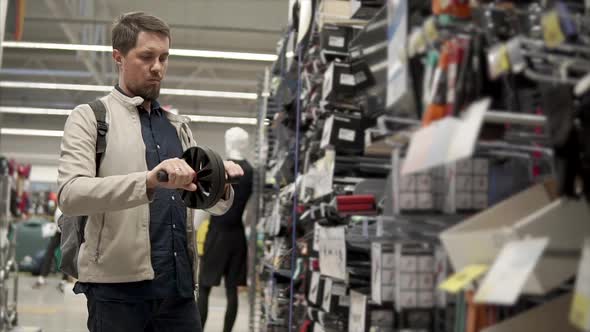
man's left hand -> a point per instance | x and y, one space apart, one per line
232 170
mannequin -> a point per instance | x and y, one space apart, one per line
225 251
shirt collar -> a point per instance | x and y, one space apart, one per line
155 105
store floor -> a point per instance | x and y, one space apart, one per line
54 311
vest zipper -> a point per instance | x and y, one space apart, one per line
99 240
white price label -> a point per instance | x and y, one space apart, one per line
326 303
336 41
346 134
327 133
376 272
333 252
316 237
358 312
314 287
347 79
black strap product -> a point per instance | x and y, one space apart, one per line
72 228
102 127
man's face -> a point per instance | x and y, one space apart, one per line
142 69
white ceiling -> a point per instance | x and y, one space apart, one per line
219 25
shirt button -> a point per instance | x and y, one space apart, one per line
174 226
173 198
175 254
158 146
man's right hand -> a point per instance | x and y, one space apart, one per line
180 175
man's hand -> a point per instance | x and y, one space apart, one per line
180 175
232 169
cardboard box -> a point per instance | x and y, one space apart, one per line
548 317
343 132
335 40
535 212
339 82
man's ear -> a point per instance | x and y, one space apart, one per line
118 57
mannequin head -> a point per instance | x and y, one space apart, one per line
236 142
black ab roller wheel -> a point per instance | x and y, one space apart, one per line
210 178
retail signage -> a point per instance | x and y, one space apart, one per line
506 279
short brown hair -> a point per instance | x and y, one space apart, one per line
128 26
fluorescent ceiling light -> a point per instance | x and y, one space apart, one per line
223 119
107 88
193 118
33 111
173 51
31 132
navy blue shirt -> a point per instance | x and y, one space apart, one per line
169 253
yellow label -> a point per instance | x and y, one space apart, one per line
430 29
580 313
552 32
460 280
504 60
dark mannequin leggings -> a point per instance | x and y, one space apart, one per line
231 312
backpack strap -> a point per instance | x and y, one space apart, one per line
102 127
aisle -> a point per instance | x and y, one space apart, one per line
57 312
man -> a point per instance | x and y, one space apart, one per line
137 265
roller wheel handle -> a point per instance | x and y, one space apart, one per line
162 176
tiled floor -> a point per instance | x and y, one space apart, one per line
54 311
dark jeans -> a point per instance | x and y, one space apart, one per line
170 315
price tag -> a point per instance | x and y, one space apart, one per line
376 272
430 29
498 61
580 311
346 134
347 79
326 303
316 237
506 279
333 252
336 41
552 32
358 312
460 280
314 287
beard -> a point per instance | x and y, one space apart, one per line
148 92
